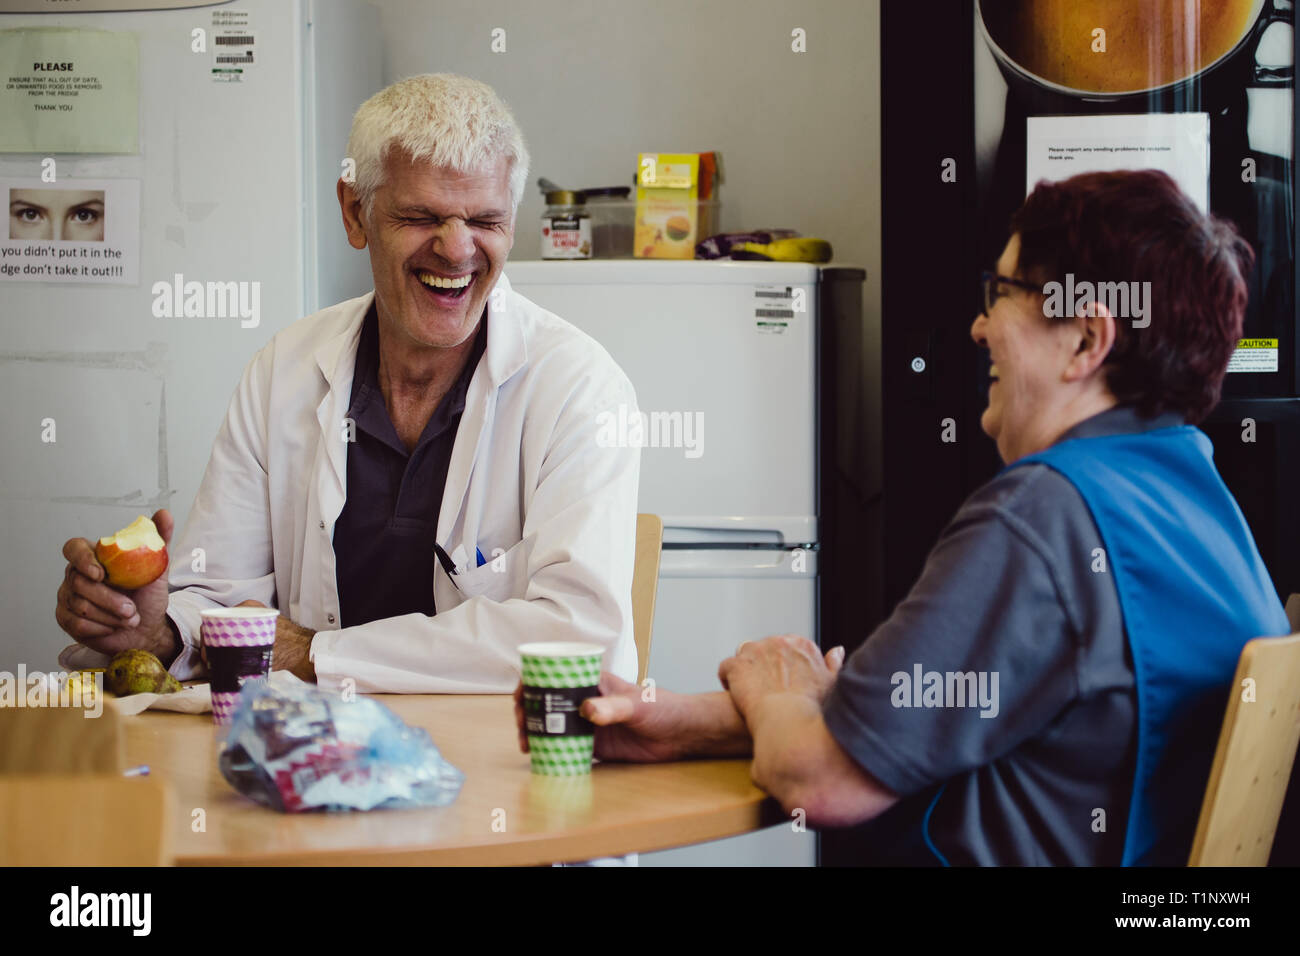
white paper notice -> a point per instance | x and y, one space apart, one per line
1254 355
69 91
75 230
1059 147
234 46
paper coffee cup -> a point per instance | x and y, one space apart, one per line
557 677
237 642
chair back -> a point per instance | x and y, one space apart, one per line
61 740
645 586
1252 763
81 819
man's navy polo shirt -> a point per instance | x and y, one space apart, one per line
384 538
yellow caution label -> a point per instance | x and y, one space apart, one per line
1254 355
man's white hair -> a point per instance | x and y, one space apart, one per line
447 119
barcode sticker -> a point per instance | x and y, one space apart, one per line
233 45
773 308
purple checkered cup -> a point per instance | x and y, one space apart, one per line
237 642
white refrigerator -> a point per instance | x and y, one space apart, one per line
724 359
236 168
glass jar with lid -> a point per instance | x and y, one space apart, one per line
566 226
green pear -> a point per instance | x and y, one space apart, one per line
138 672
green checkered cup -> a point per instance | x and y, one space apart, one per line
557 677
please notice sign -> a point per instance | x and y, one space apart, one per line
69 91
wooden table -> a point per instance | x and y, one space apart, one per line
620 808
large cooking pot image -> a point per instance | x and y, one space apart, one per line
1162 54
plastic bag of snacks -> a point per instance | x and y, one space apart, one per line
298 747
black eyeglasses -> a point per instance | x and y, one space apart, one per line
990 282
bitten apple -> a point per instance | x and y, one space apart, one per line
134 556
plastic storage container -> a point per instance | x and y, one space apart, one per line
613 221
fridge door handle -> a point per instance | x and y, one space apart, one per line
770 530
709 563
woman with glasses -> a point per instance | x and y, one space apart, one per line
1050 690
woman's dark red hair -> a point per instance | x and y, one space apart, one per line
1140 227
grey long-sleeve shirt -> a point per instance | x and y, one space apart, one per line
1032 757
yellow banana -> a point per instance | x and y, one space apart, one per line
802 249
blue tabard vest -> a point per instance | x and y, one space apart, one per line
1192 590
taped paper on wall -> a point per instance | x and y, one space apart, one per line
69 91
77 230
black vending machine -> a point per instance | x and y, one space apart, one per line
973 94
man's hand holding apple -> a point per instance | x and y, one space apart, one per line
109 619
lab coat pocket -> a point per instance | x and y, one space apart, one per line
503 577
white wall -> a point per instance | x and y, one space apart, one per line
594 82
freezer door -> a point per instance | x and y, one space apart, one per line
722 356
700 617
711 600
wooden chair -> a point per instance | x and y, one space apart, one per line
645 586
61 740
1252 763
82 819
1293 612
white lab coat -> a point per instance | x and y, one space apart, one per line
553 512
